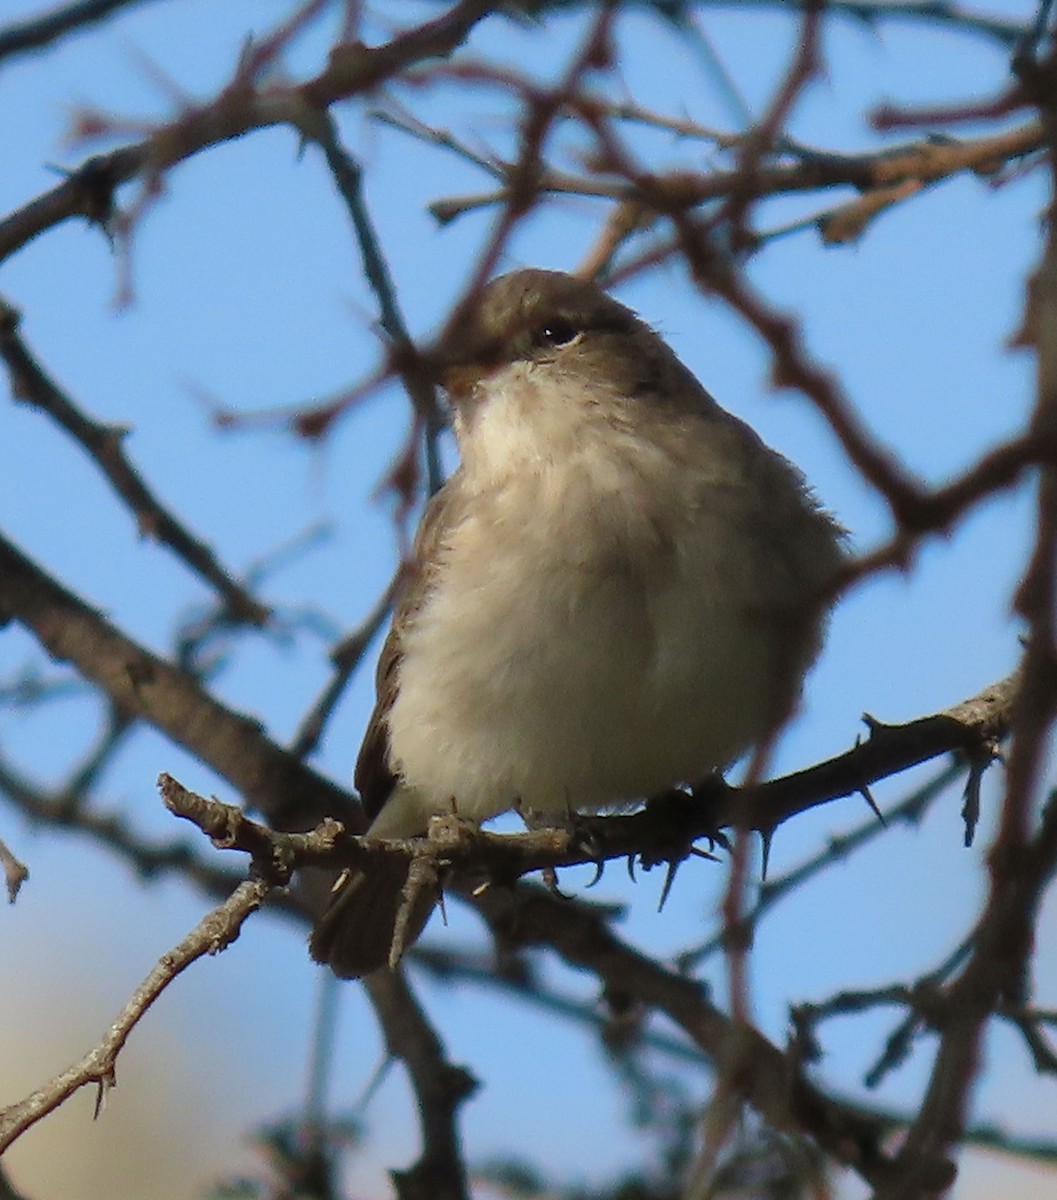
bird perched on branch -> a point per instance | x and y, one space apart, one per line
619 590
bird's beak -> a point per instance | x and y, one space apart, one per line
460 379
455 370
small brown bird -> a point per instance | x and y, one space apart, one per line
619 590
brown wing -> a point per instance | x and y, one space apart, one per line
374 776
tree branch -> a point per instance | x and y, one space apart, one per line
352 69
665 830
213 933
37 32
143 684
440 1087
1023 857
759 1072
103 444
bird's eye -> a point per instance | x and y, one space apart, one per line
555 333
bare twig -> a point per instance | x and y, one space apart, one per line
111 832
406 122
440 1087
145 685
765 1077
912 167
931 512
418 380
760 141
352 69
37 32
1023 856
213 933
103 443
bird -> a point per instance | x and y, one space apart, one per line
618 591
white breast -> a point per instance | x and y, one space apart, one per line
593 638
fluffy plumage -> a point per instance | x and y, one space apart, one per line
619 590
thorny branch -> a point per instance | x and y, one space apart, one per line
695 212
280 785
581 934
244 106
214 933
773 889
440 1086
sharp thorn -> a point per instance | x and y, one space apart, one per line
669 879
867 795
766 840
873 725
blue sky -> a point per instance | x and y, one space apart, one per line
247 288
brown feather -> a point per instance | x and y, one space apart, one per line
374 776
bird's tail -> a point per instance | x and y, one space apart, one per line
373 917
